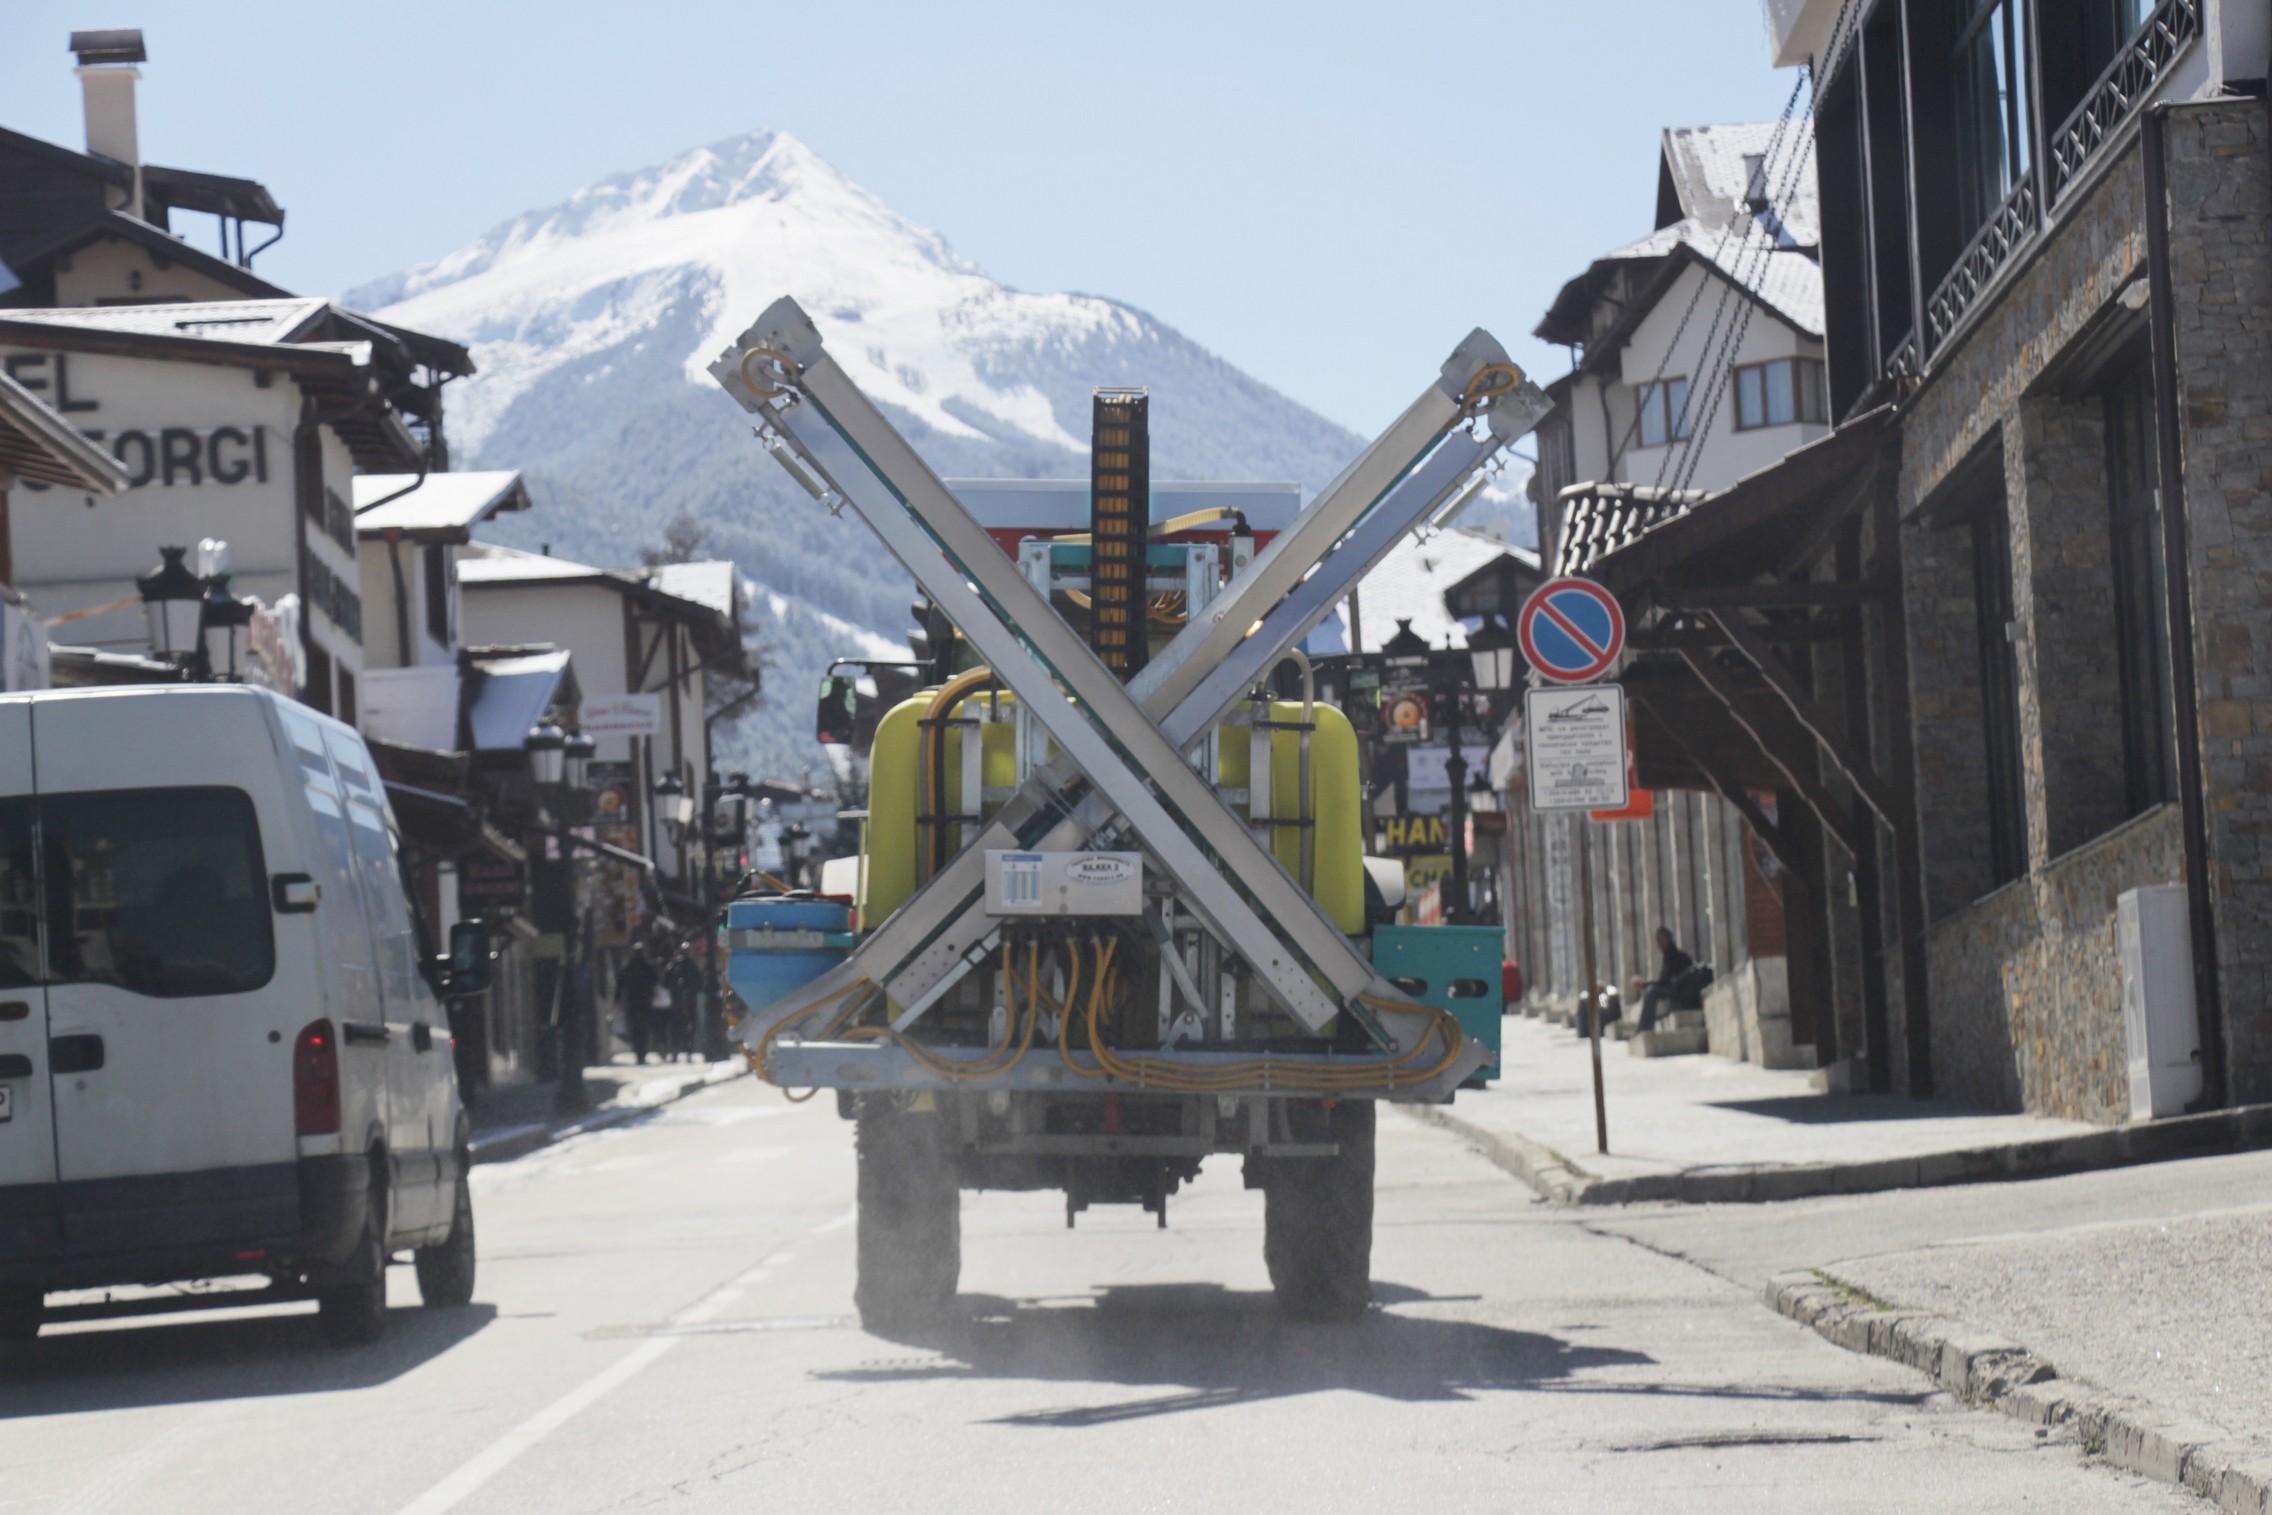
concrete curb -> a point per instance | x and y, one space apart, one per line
1984 1369
509 1142
1558 1178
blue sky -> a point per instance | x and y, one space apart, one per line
1327 194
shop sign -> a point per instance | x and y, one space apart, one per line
487 884
1404 835
621 714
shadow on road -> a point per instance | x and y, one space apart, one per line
1221 1347
191 1359
1225 1347
1845 1109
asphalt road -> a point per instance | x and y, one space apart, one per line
664 1323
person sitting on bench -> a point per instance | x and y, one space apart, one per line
1661 990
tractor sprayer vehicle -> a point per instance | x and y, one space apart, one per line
1110 909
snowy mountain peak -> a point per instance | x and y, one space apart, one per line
592 321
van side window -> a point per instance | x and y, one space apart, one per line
160 891
19 897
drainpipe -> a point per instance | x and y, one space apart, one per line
2185 696
401 601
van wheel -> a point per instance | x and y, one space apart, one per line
1317 1217
20 1312
352 1311
445 1270
909 1236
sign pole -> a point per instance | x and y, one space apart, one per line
1593 986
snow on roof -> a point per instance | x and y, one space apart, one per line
494 563
1709 170
446 505
216 320
708 587
708 584
1409 584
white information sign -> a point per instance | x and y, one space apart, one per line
1575 741
622 714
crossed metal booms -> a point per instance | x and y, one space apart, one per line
1127 741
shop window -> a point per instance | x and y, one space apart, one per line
1999 688
1779 393
346 710
1664 412
2141 606
1992 108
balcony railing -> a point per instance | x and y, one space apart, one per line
1992 248
2133 75
1902 363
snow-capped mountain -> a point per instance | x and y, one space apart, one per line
591 321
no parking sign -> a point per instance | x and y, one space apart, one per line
1571 630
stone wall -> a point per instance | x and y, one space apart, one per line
2024 983
2027 983
2220 191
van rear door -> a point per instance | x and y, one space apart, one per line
171 1007
29 1224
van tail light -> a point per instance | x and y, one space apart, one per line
315 1080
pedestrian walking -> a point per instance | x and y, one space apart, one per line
684 980
635 988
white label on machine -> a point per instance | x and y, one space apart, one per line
1065 883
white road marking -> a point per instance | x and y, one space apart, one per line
508 1448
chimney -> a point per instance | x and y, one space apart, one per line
106 75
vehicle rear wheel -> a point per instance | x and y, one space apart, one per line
909 1236
20 1312
445 1269
1317 1227
351 1308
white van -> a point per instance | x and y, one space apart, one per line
221 1051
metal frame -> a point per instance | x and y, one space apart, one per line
1126 742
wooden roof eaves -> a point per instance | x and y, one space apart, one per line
116 223
1662 550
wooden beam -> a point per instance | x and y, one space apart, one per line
1908 840
1818 535
1801 704
1833 815
1777 840
1808 596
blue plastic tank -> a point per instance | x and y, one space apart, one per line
776 945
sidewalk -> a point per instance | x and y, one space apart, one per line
517 1120
1705 1129
2148 1334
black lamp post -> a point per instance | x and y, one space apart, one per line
223 619
547 747
174 599
577 755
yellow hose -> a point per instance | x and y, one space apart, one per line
941 708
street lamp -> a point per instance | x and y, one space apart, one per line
222 617
173 598
672 802
1492 652
578 755
546 746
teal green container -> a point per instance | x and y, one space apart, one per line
1450 968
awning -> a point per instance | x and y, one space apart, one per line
39 445
514 694
1758 526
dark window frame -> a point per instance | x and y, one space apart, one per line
436 570
1803 398
1994 618
1654 394
2141 591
